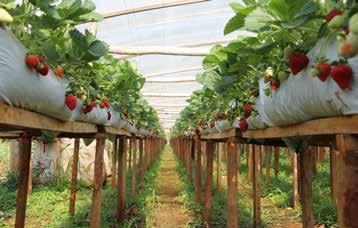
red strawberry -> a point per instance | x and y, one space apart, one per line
106 102
102 105
248 109
91 106
298 61
332 14
71 101
59 71
275 85
43 69
32 61
109 115
42 58
324 71
342 75
243 125
218 116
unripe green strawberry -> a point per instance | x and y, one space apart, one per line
353 24
336 22
352 38
5 17
267 91
282 76
314 71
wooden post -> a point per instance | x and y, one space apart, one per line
114 162
218 161
121 199
130 153
295 180
257 185
191 159
210 146
98 181
334 154
24 166
74 177
268 166
276 160
347 180
141 165
250 162
29 189
134 167
306 164
198 168
232 184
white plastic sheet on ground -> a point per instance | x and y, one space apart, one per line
303 97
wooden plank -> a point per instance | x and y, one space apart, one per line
198 169
24 165
295 180
98 181
257 186
23 119
232 184
74 177
134 167
347 180
116 131
114 162
153 6
225 135
121 198
306 160
210 146
250 162
337 125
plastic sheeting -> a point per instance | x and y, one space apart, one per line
303 97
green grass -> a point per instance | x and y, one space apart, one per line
48 205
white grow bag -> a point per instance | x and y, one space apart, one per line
303 97
20 87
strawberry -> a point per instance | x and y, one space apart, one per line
42 58
248 109
43 68
345 49
102 105
353 23
275 85
32 61
109 115
332 14
324 71
90 106
243 125
298 61
218 116
342 74
336 22
71 101
59 71
106 102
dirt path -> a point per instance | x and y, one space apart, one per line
170 212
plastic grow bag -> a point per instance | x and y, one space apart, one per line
222 125
26 89
303 97
97 116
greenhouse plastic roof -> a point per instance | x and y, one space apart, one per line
194 25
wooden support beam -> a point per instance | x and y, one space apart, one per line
74 176
98 181
114 162
276 160
306 160
159 50
268 166
347 180
24 163
334 157
257 186
296 198
232 184
250 162
134 168
210 146
198 169
153 6
141 163
218 164
121 198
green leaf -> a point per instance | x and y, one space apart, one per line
210 61
235 23
258 19
286 9
308 9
